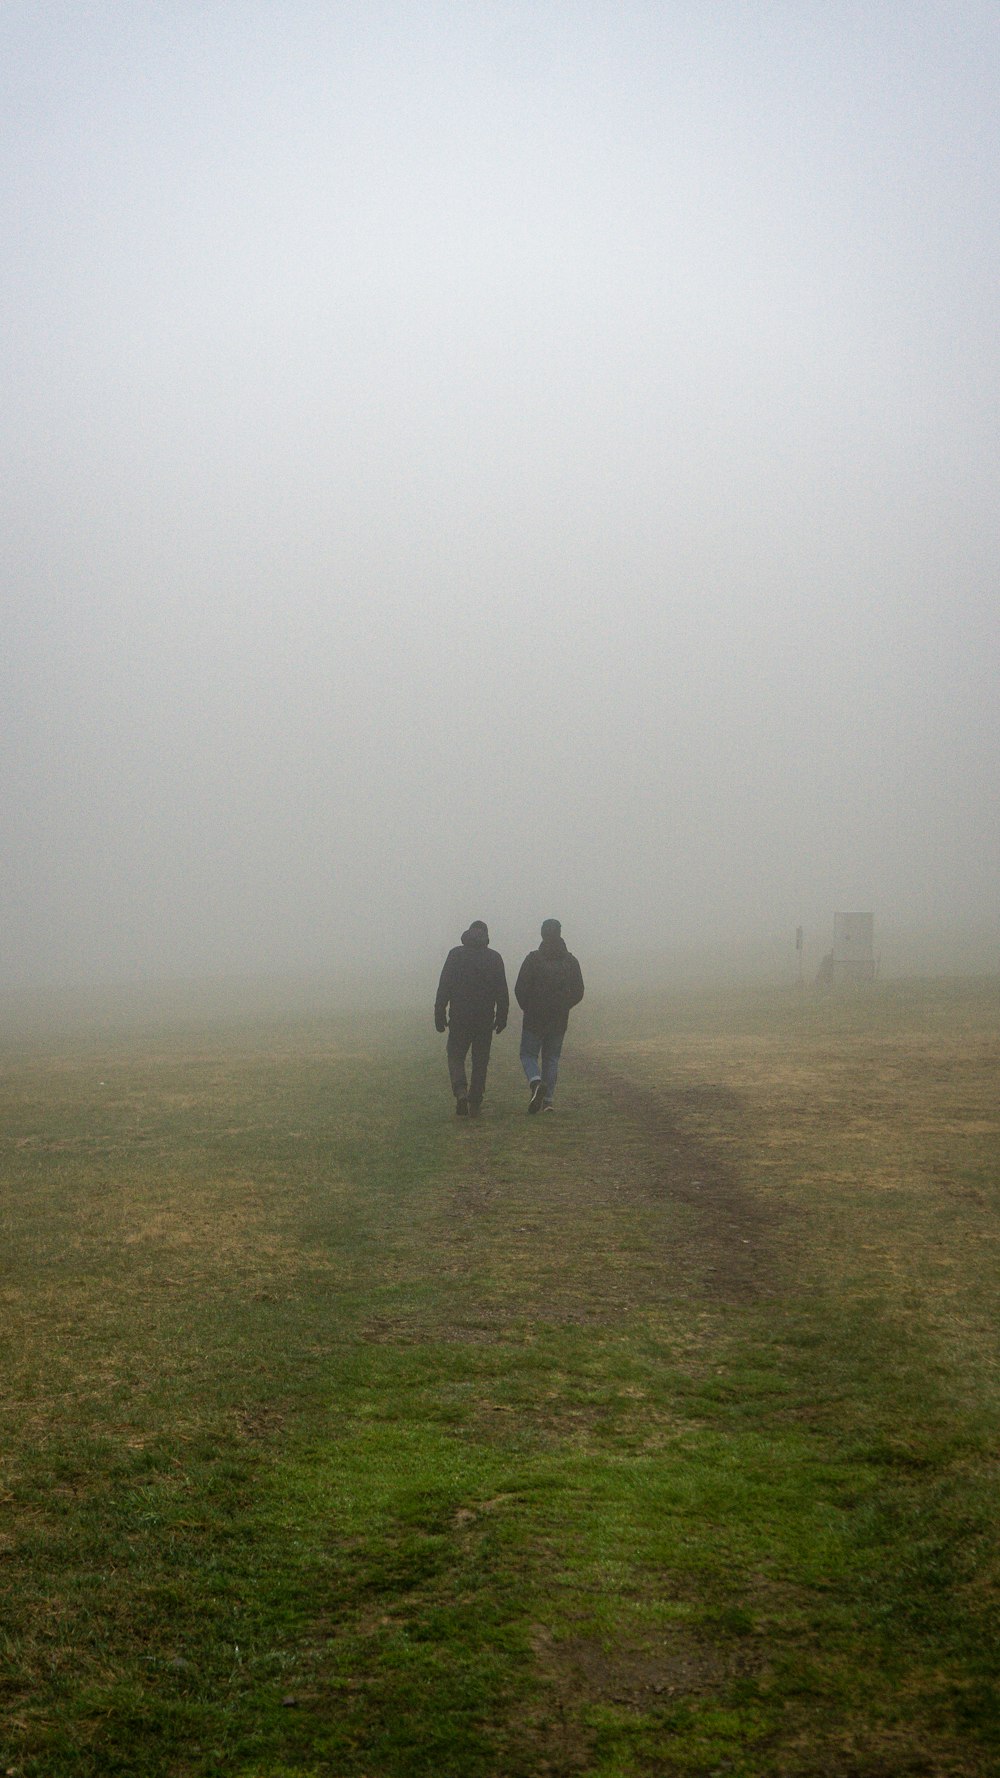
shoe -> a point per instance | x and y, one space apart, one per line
537 1089
548 1106
474 1107
462 1107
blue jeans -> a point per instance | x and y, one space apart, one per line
540 1058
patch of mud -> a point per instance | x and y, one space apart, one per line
261 1422
578 1673
684 1666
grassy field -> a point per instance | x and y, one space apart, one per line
658 1436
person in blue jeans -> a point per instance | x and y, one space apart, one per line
549 984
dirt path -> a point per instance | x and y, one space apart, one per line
632 1198
731 1235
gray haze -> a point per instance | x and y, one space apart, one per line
495 460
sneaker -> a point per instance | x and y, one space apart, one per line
548 1106
462 1107
474 1105
537 1089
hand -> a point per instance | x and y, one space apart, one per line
501 1025
440 1021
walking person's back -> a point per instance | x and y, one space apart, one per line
549 984
472 1002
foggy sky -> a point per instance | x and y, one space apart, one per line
494 461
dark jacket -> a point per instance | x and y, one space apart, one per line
472 993
549 982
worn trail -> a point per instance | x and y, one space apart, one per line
730 1230
626 1201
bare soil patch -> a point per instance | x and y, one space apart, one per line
732 1232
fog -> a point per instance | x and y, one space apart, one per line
496 460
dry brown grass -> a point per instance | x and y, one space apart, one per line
636 1380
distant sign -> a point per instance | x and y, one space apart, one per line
853 937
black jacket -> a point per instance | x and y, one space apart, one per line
549 982
472 992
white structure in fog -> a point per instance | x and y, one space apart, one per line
853 956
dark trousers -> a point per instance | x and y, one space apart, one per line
462 1038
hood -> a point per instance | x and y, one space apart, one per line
477 936
554 946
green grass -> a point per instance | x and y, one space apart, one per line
656 1437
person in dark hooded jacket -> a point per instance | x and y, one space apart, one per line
472 1002
549 984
